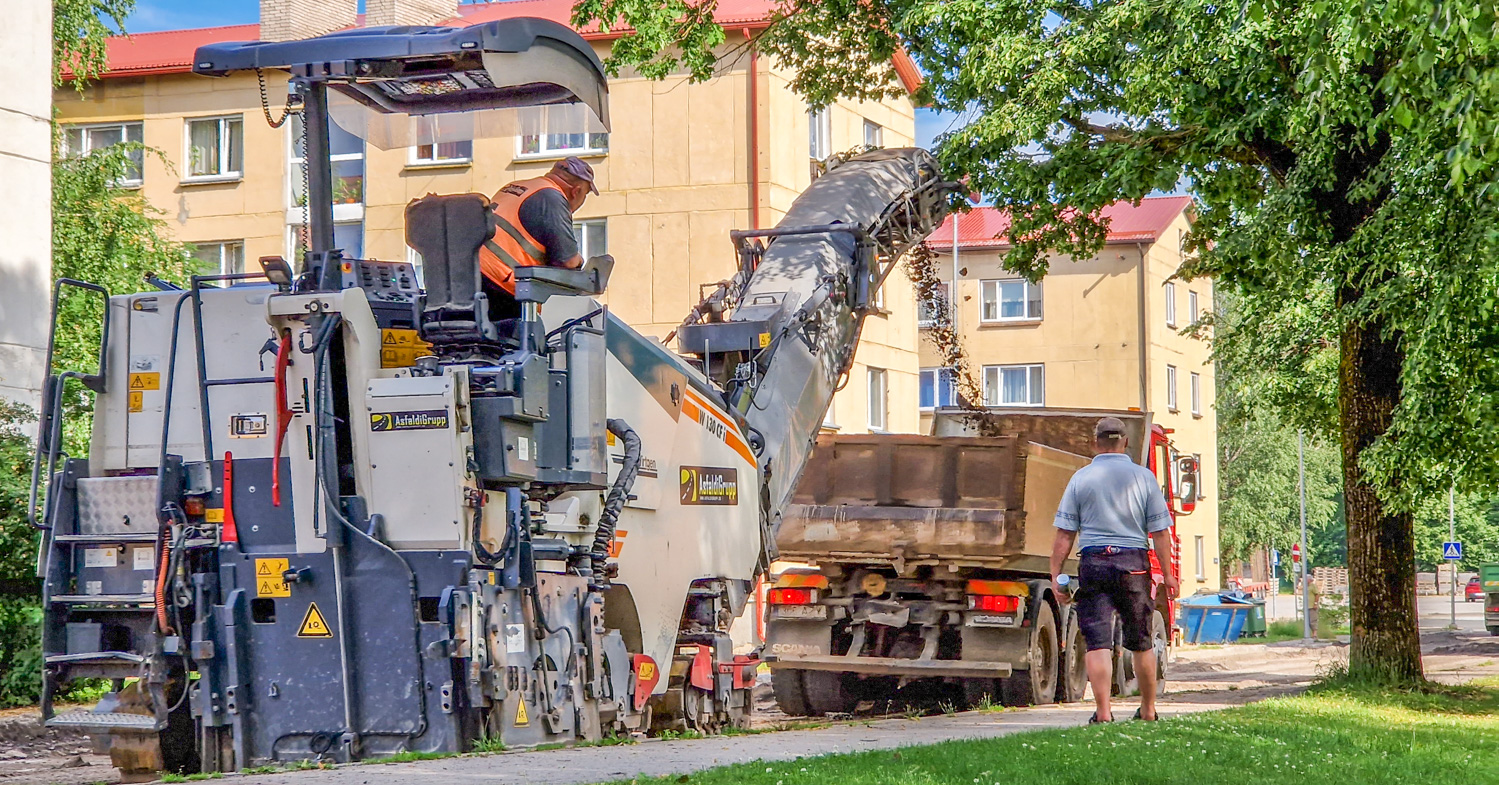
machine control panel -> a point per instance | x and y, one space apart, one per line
388 281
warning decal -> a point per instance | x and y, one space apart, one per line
521 718
400 348
137 401
268 581
145 381
313 624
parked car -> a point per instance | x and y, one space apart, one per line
1474 592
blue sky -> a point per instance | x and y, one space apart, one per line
151 15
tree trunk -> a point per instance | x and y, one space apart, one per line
1381 544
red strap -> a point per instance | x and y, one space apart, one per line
230 532
283 414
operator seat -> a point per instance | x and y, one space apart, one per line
461 306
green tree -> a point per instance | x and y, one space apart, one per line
1320 166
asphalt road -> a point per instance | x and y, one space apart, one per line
1435 613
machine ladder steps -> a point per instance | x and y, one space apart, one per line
106 721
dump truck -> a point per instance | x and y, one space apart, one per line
1488 576
926 559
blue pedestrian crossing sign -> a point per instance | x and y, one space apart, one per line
1452 551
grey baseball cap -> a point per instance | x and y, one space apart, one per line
579 168
1109 428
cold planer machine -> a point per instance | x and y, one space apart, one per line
328 514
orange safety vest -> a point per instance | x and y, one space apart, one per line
512 246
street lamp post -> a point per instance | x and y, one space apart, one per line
1306 585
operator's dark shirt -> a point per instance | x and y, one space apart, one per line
547 217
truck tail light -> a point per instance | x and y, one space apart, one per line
791 596
1492 609
993 603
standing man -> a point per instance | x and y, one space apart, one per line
534 225
1114 509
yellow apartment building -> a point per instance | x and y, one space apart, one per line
683 165
1098 333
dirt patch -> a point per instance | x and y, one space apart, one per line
30 753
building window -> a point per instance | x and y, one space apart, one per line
820 132
223 258
593 237
1011 300
346 154
1014 385
84 139
442 153
1196 383
830 419
1171 387
1201 476
550 131
1201 558
1170 304
938 388
874 134
1192 309
879 407
348 236
930 308
215 147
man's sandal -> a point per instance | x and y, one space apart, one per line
1094 720
1140 716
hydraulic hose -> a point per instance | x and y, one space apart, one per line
614 503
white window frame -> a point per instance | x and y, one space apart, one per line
926 308
1170 289
938 377
879 399
1201 547
990 290
343 213
993 384
585 230
222 267
435 160
820 133
1193 310
830 419
1171 402
124 127
544 150
1195 382
874 134
225 151
1201 476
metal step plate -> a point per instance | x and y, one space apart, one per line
105 599
117 505
105 721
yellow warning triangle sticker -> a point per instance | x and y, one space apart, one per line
137 383
521 719
314 625
268 588
390 338
265 567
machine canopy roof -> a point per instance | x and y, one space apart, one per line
419 71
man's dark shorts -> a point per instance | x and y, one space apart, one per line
1115 579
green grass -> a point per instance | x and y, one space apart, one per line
1337 734
409 756
489 744
212 775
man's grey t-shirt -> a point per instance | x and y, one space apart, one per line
1113 501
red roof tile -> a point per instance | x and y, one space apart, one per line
169 51
984 227
729 13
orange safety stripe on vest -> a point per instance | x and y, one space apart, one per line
512 246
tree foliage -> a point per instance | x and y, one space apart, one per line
80 30
1332 153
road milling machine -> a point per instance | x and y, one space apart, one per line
336 513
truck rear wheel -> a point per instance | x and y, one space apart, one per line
790 691
1073 684
1037 684
827 693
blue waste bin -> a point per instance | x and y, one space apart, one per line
1212 618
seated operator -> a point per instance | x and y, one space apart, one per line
534 228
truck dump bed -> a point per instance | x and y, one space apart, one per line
958 501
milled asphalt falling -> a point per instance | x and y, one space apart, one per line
580 766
